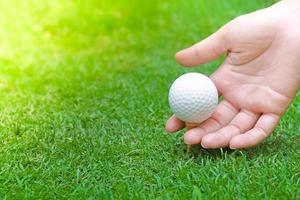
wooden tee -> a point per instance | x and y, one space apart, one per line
188 127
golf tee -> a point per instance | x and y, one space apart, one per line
188 127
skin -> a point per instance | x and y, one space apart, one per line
258 79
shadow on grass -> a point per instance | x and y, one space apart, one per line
273 146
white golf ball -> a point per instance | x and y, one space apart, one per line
193 97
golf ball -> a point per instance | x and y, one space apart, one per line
193 97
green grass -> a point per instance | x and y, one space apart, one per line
83 103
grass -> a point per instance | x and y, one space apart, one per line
84 100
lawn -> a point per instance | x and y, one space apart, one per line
84 89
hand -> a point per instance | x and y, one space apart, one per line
258 79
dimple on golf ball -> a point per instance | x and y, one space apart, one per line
193 97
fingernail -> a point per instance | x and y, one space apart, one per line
233 148
204 146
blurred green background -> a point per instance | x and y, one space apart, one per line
84 99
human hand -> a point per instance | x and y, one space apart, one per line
258 79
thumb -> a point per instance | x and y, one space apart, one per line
206 50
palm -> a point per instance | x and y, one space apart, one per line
251 94
255 68
258 79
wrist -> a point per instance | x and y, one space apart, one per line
292 3
287 11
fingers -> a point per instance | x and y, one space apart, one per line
222 115
204 51
242 122
174 124
263 128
